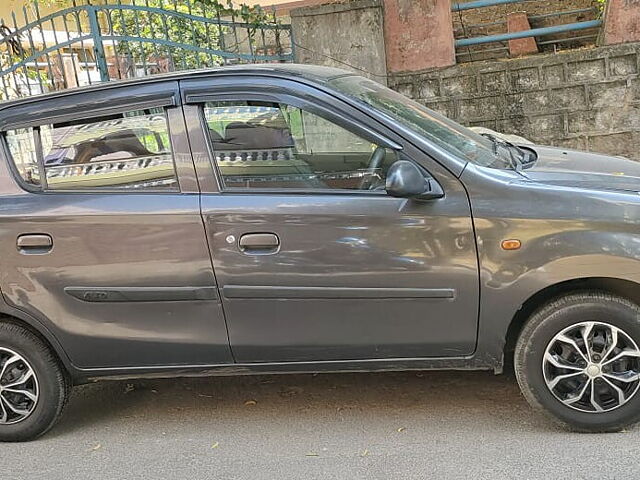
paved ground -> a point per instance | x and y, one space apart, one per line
440 425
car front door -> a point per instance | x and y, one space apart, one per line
107 247
315 261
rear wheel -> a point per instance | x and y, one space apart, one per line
33 387
578 359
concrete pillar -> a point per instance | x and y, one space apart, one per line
418 34
621 21
346 35
518 22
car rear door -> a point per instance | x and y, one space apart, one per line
314 260
108 249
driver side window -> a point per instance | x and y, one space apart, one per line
264 145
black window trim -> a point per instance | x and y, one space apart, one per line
290 100
43 187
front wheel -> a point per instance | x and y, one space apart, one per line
33 386
578 360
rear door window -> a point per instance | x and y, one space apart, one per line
129 151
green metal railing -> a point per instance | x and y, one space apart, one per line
89 43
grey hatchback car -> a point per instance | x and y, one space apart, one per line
289 218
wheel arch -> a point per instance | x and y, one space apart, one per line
17 317
624 288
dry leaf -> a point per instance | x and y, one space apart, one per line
365 452
97 446
401 429
215 445
250 402
312 454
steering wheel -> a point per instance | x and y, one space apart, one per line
376 159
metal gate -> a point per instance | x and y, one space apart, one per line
89 43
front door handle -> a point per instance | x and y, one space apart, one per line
259 243
34 243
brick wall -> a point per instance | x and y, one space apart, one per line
587 99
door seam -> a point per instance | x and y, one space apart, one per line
206 236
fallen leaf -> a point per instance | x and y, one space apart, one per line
129 387
312 454
97 446
215 445
401 429
365 452
205 396
250 402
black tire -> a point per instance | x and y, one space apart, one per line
53 386
541 328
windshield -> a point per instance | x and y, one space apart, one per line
446 134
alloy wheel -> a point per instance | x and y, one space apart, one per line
18 387
592 367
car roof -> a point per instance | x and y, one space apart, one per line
314 73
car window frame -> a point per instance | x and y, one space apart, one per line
105 101
297 102
44 188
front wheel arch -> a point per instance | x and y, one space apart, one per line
615 286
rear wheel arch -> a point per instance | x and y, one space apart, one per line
623 288
41 332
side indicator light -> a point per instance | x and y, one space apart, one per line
511 244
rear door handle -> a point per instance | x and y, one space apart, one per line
34 243
259 243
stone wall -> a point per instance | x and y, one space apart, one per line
587 99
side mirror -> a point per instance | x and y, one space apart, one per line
406 180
